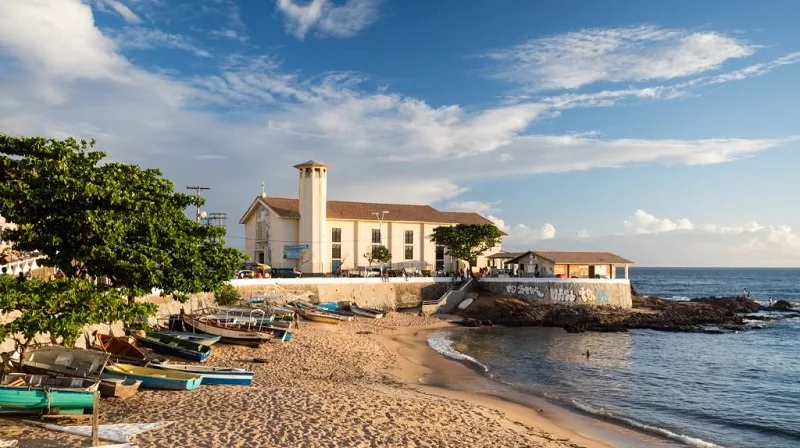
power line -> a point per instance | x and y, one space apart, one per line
197 189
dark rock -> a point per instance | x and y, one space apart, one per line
781 305
487 323
733 304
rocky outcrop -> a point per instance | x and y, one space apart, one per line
723 314
782 305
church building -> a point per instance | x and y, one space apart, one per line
319 236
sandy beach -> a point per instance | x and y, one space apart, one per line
368 383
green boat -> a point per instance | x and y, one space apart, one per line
38 394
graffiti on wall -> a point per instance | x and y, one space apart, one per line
525 290
559 294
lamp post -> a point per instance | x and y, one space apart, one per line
379 216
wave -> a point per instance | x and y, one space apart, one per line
600 412
443 343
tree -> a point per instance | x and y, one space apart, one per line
97 220
380 254
467 241
115 220
60 308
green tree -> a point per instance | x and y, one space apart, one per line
113 219
380 254
467 241
226 295
60 308
94 220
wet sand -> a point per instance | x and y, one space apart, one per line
368 383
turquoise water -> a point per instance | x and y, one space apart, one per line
705 390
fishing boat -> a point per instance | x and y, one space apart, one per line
197 338
169 345
215 375
231 329
153 378
36 394
111 386
55 360
319 316
122 349
366 312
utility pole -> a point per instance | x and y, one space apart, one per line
198 215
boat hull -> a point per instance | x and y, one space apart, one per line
228 335
118 387
152 378
317 317
34 400
216 375
198 338
172 346
365 312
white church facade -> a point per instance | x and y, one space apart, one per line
319 236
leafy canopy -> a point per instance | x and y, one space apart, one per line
113 219
379 254
61 308
467 241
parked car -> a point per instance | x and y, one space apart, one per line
285 273
244 273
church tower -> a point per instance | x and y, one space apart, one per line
313 205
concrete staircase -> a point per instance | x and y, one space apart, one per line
452 296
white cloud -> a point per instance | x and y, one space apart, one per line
118 7
733 229
643 222
522 237
473 206
579 58
140 38
229 34
583 233
59 37
327 18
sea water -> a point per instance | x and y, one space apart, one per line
704 390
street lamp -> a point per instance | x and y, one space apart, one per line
379 216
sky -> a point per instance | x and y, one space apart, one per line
666 132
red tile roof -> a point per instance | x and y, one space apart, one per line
362 211
575 257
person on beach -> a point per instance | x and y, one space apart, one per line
296 319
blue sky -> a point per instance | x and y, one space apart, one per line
664 131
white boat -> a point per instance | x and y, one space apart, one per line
214 375
250 331
366 312
65 361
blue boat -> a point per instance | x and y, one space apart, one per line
214 375
155 378
197 338
328 306
169 345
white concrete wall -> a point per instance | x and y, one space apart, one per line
567 291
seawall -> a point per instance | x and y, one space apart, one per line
579 291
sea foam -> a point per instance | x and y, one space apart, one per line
442 342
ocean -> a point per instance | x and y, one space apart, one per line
703 390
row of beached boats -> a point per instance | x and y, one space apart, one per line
54 379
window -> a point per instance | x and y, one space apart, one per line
336 251
440 252
336 235
409 247
376 236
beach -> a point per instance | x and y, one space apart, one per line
366 383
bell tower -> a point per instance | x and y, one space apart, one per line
313 203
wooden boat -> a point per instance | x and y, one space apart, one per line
215 321
366 312
152 378
215 375
319 316
36 394
173 346
57 360
111 386
123 348
197 338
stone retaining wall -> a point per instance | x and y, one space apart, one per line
616 292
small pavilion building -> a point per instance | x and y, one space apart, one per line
568 264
